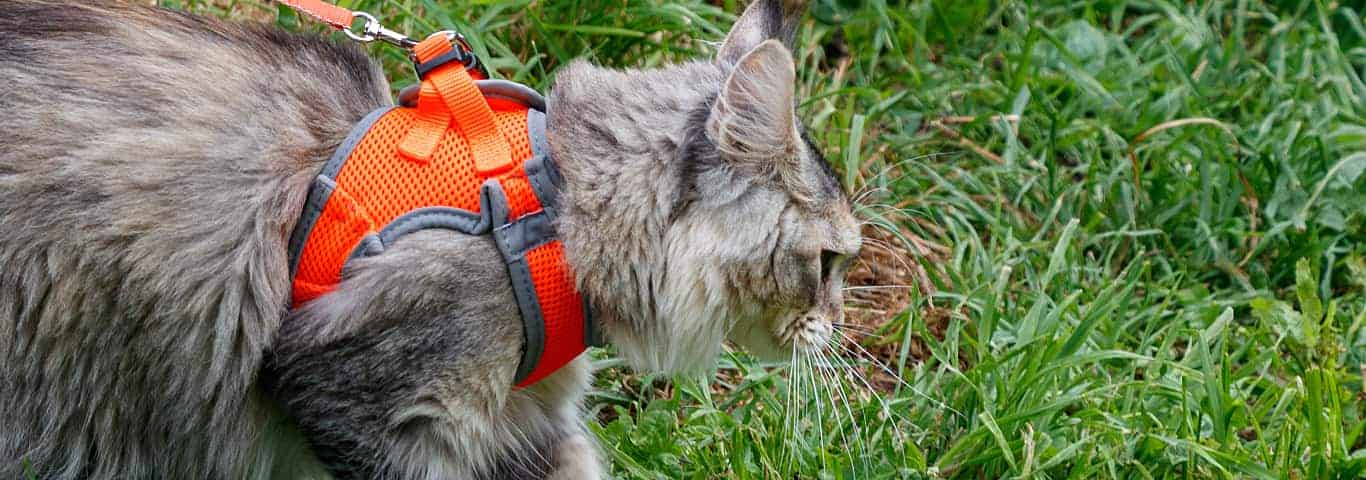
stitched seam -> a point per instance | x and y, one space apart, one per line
505 246
533 246
504 240
534 176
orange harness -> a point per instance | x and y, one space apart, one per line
472 157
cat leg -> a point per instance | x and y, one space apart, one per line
405 370
576 458
573 452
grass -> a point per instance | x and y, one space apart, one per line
1137 232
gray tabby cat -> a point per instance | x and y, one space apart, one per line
153 164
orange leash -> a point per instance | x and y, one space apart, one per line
338 17
344 21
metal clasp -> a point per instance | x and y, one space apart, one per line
461 48
372 30
456 38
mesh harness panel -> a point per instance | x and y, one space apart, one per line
449 163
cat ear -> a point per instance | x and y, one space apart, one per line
763 20
753 120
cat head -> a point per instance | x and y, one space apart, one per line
779 225
754 231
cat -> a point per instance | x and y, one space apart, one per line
153 164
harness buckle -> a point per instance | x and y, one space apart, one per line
461 51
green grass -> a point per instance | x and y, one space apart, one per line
1158 272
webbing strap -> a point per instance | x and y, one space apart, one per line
338 17
430 125
448 95
466 103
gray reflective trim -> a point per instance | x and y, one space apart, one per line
339 157
535 130
540 169
592 336
463 221
533 324
370 245
318 194
490 88
545 181
494 203
512 91
528 232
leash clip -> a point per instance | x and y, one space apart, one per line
461 51
372 30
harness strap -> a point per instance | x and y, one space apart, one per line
449 94
338 17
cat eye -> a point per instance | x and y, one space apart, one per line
829 261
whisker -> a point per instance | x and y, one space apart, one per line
820 420
806 398
856 302
892 416
798 387
902 163
919 245
913 270
863 434
789 426
878 363
886 246
874 287
868 192
876 241
844 398
893 250
875 207
853 327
